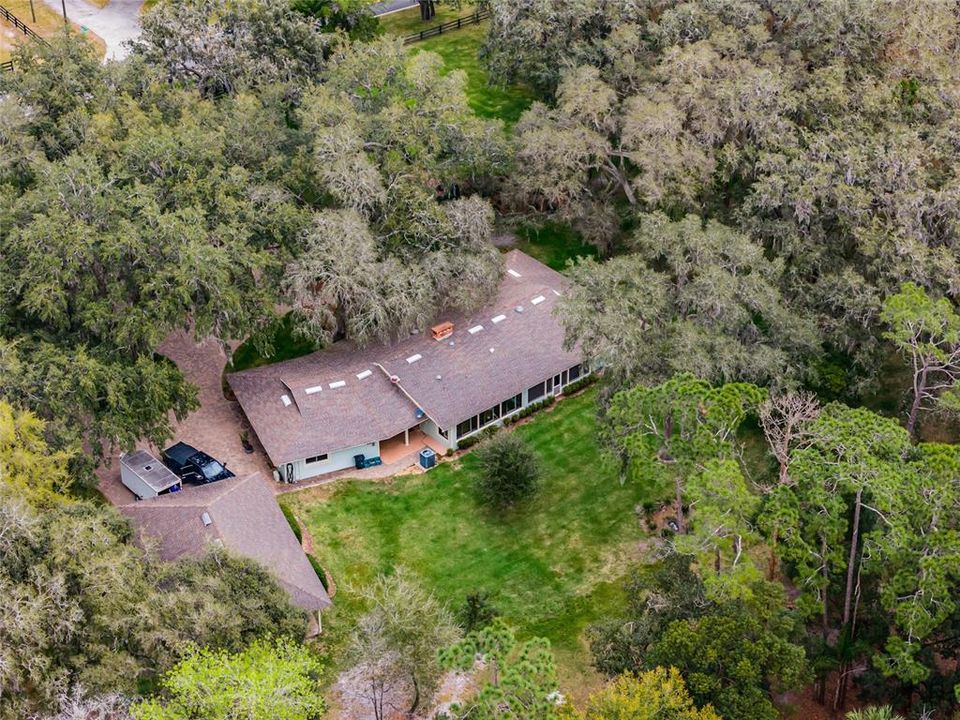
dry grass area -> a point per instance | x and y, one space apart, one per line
48 23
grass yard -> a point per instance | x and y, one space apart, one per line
459 50
286 346
408 22
553 244
553 566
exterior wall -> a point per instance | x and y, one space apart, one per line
525 401
338 460
429 427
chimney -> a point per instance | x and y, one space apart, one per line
442 331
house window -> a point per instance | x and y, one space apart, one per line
574 373
467 427
563 379
488 416
549 385
316 459
514 403
535 392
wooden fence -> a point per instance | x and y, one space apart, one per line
447 27
6 66
18 24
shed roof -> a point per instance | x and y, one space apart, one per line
342 396
153 472
244 517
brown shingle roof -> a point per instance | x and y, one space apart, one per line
244 517
527 348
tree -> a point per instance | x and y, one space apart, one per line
477 612
386 130
882 712
658 694
757 635
520 678
694 297
657 595
26 463
275 679
785 419
223 46
509 471
670 429
927 331
395 644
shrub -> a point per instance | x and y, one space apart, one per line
472 440
476 612
578 385
509 470
292 521
318 569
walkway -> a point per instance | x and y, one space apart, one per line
117 23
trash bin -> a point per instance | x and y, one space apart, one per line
428 458
358 461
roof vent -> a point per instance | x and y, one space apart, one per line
413 358
498 318
491 349
395 379
439 377
514 273
364 374
538 299
286 400
314 389
337 384
475 329
519 308
207 522
442 331
452 343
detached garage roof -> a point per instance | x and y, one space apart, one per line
242 515
343 396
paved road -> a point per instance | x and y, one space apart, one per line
117 23
389 6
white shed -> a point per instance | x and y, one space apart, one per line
145 476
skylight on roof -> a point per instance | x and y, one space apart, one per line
413 358
498 318
337 384
514 273
314 389
475 329
364 374
538 299
286 400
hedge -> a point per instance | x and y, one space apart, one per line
318 569
292 521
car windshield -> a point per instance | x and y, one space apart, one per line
212 469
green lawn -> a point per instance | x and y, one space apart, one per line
286 346
553 244
554 566
407 22
459 50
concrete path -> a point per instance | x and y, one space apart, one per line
117 23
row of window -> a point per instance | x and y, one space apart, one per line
536 392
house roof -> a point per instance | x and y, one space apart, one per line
342 396
244 517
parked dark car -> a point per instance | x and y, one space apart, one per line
194 466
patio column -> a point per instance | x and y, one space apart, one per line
406 436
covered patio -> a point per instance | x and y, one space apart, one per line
408 444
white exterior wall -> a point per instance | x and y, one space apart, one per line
429 427
525 401
338 460
135 485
